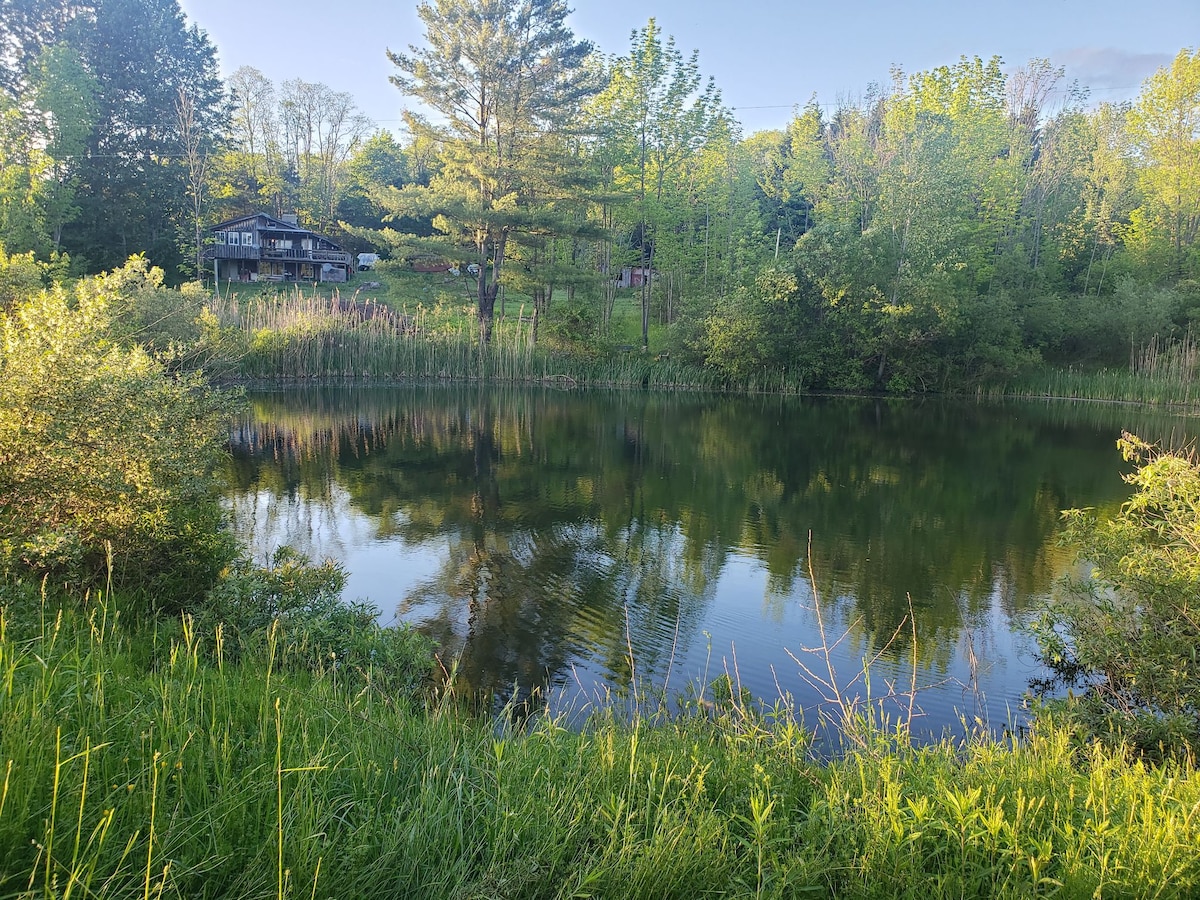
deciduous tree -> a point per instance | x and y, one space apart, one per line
1165 124
660 111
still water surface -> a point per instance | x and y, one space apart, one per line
572 542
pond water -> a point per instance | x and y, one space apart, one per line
572 543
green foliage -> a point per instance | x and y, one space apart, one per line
1133 628
144 312
105 462
137 768
292 611
956 227
43 133
1104 329
575 322
1165 127
663 136
758 330
380 163
989 346
21 275
307 336
503 77
104 151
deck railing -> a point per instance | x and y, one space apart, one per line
225 251
308 255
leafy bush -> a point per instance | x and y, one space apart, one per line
1103 329
1131 632
21 275
107 464
292 610
757 329
143 311
573 322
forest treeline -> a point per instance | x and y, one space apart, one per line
948 227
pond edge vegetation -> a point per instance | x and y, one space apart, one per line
297 336
175 719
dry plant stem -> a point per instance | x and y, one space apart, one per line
671 658
912 687
629 650
829 688
834 693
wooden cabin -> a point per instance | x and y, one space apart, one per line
635 276
258 247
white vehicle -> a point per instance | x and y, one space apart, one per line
366 261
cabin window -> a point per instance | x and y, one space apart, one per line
219 237
233 239
247 239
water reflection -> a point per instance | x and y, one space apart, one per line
577 539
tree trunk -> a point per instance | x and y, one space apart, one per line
487 307
488 290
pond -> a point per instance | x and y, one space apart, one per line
574 543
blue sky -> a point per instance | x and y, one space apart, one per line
766 55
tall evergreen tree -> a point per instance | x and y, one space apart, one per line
501 76
133 184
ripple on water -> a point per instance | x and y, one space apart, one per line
584 540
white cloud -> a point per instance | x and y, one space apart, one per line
1109 71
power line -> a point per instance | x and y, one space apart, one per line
835 104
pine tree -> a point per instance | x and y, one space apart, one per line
502 76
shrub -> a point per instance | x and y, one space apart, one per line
143 311
20 275
1131 632
757 329
573 322
107 464
291 609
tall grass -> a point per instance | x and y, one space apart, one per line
1163 372
308 336
1119 385
1167 360
136 764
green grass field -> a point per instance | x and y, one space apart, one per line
142 758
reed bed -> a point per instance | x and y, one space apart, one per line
1160 372
307 336
133 763
1119 385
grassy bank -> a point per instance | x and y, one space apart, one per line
1159 373
414 331
136 762
1118 385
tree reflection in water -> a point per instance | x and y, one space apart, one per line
570 528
